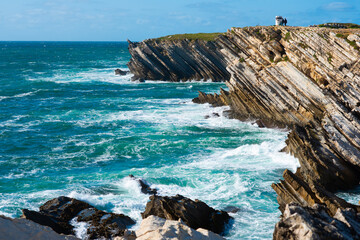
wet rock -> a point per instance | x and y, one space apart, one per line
145 187
58 225
103 224
196 214
120 72
63 208
25 229
231 209
58 212
153 228
315 223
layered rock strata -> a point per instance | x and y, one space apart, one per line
177 61
315 223
305 79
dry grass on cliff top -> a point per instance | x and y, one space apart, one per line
191 36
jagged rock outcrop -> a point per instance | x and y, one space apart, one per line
196 214
25 229
305 79
58 212
315 223
177 60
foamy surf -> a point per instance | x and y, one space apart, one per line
72 127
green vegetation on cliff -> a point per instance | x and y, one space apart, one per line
191 36
339 25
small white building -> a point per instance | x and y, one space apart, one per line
279 20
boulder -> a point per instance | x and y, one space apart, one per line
120 72
145 186
196 214
58 212
156 228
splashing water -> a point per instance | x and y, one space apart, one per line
70 127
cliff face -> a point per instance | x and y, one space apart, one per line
177 60
307 79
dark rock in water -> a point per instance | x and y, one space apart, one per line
103 224
196 214
58 225
207 117
145 187
216 115
63 208
120 72
315 223
231 209
58 212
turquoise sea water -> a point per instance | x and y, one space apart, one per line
69 126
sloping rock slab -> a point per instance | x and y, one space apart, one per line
26 229
315 223
196 214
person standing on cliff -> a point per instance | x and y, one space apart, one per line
285 21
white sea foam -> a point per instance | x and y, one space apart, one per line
91 75
80 228
19 95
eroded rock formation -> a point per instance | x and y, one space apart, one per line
177 61
58 212
305 79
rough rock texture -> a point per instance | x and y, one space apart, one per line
58 212
315 223
196 214
305 79
156 228
177 60
25 229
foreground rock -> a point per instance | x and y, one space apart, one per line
57 214
315 223
156 228
196 214
25 229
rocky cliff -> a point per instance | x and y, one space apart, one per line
305 79
174 60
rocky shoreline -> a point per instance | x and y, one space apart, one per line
304 79
164 217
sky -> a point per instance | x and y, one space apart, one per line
118 20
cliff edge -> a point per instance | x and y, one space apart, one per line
304 78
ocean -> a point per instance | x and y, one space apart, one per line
69 126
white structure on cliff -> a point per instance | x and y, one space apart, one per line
279 20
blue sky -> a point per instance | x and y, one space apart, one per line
117 20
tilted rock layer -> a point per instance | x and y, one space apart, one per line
305 79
